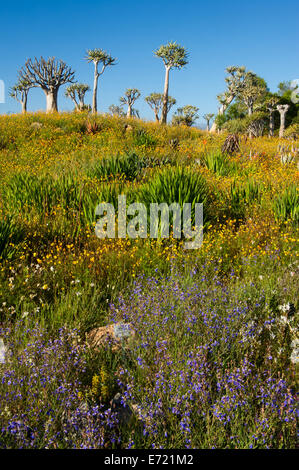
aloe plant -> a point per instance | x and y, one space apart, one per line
10 234
286 205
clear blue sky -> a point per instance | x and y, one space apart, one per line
262 35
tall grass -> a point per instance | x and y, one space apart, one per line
219 164
180 185
286 205
11 233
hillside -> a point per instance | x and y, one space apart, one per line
204 350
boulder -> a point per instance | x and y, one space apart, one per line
36 125
117 335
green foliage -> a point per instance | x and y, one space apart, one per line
173 55
100 56
116 110
220 120
186 115
128 165
220 164
142 138
11 233
241 196
25 191
255 123
177 184
286 205
155 102
235 111
233 126
292 131
130 96
44 194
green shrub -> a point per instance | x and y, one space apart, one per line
219 164
11 234
142 138
177 184
255 124
286 205
241 196
128 165
24 190
292 132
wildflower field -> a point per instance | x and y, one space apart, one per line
208 348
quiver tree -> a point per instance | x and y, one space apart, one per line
129 98
253 89
255 124
271 107
173 56
98 56
235 83
76 92
155 102
186 115
49 75
282 109
20 93
116 110
207 118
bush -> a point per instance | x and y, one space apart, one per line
219 164
292 132
128 165
142 138
11 233
286 205
255 124
177 184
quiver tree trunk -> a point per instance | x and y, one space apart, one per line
271 122
81 105
23 101
129 112
165 97
221 111
51 100
95 90
282 109
24 105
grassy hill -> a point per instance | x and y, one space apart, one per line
212 362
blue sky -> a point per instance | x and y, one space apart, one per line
262 35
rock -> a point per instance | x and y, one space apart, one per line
2 351
123 410
117 335
36 125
